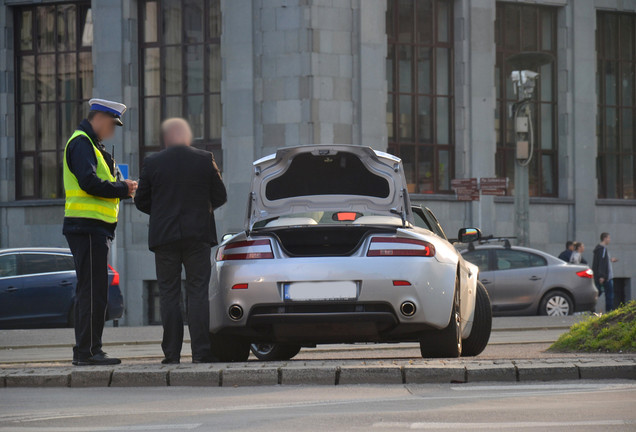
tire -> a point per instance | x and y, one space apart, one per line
482 324
556 303
448 341
229 349
272 352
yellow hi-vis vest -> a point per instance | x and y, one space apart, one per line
80 204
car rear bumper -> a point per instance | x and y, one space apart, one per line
373 316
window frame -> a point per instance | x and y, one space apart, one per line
417 145
81 8
620 152
208 142
505 151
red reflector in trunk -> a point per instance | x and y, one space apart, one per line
115 276
401 283
588 274
240 286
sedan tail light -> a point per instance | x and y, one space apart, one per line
245 250
115 275
588 274
394 246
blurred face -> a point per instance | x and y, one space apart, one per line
581 248
607 240
103 125
177 134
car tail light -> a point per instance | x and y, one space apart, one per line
115 275
394 246
401 283
588 274
245 250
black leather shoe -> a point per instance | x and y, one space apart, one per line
170 361
100 359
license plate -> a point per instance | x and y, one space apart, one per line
305 291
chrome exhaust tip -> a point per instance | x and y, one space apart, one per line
235 312
408 308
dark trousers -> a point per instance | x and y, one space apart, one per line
607 287
169 259
90 252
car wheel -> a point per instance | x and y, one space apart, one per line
446 342
271 351
229 349
482 324
556 303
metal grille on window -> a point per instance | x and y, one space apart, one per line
420 99
527 28
55 79
616 90
181 70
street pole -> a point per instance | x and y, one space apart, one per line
522 193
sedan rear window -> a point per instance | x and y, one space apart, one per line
339 174
511 259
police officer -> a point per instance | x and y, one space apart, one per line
90 218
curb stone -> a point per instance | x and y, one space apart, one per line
139 378
421 374
308 375
40 378
194 377
607 371
91 378
491 372
548 372
370 375
240 377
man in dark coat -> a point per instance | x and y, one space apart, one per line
567 253
179 188
603 271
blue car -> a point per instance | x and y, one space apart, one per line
37 289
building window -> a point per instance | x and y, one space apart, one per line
518 29
54 70
616 90
180 60
420 91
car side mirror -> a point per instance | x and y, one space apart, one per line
227 236
468 235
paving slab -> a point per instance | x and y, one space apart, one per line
91 377
370 374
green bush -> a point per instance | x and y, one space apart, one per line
611 332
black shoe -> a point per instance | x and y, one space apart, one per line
170 361
100 359
204 360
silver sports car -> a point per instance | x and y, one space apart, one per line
332 253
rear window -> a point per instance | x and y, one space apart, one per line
339 174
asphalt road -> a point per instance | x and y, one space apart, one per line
562 406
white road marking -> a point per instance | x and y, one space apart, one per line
494 425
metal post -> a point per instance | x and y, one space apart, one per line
522 192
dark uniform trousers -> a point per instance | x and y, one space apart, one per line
90 252
169 259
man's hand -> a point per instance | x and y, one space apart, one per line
614 259
132 187
601 280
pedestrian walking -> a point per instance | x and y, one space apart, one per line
577 254
603 271
567 253
90 218
179 188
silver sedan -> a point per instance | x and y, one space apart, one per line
524 281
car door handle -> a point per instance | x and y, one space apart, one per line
535 278
12 288
485 281
66 283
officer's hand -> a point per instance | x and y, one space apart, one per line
132 187
601 280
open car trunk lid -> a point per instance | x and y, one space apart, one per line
313 178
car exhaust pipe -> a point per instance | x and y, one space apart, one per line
408 308
235 312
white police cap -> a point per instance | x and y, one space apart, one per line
115 109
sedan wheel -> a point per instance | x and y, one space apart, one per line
556 304
271 351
